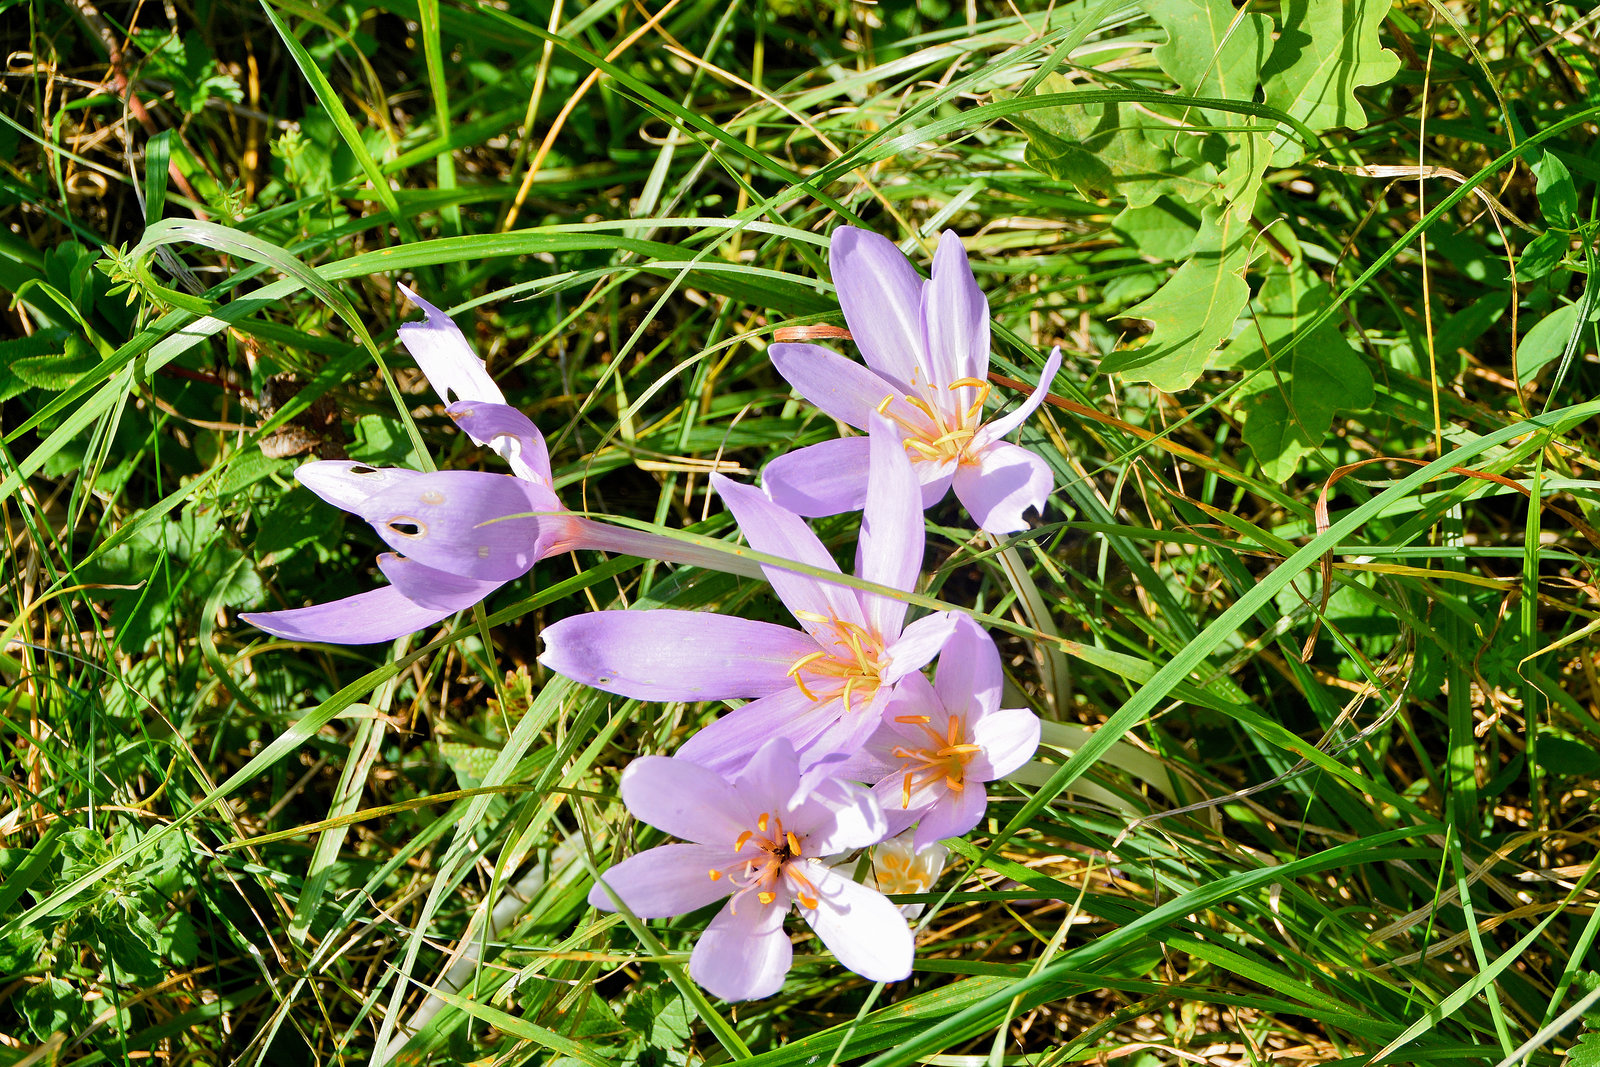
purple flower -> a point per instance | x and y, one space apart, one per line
461 534
939 743
823 687
760 837
927 346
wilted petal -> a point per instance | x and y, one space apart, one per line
779 532
686 800
954 815
345 483
1007 481
881 294
840 387
997 429
824 479
668 654
726 744
458 522
889 549
969 678
744 954
364 619
920 642
509 432
956 316
1008 739
666 880
441 351
859 925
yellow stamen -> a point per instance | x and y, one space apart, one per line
761 823
810 902
714 874
976 383
743 838
912 720
765 897
794 844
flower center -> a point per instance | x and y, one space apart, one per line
850 666
769 863
939 434
945 756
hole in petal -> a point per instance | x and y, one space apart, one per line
433 497
363 469
406 526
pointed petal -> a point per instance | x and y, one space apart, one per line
1006 482
451 366
840 387
366 618
999 428
684 799
666 880
666 654
433 589
345 483
509 433
956 814
825 479
969 678
881 294
1009 738
744 954
956 315
727 744
457 521
780 532
849 730
919 643
859 925
846 816
889 551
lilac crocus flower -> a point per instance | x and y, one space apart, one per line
926 344
760 837
822 687
939 743
460 534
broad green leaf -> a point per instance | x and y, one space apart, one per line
1546 342
1165 229
1558 197
1325 50
1194 313
1289 403
1111 150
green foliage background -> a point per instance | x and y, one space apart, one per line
1311 611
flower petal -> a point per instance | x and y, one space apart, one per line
433 589
679 797
969 678
451 366
666 654
1008 738
457 521
849 730
839 387
823 479
919 643
770 779
778 531
993 431
665 880
846 815
1006 482
366 618
744 954
956 316
726 744
859 925
889 550
955 814
881 295
509 433
345 483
